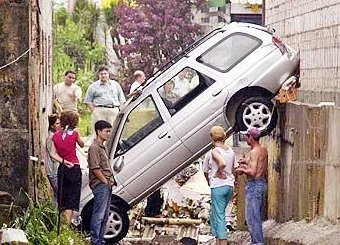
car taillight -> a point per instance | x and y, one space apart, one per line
278 43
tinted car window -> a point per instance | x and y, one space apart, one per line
141 121
230 51
183 88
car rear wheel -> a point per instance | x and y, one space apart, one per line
257 112
117 225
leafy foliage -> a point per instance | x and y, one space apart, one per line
108 7
74 47
39 222
154 32
85 16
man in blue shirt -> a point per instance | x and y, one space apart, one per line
104 97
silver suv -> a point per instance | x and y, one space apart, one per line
227 78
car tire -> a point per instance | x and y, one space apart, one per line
257 112
117 224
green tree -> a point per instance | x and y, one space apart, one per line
74 47
86 15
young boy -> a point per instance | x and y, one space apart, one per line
101 181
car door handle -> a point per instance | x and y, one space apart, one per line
216 92
161 135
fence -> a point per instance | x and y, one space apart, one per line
304 164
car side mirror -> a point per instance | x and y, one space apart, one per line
118 164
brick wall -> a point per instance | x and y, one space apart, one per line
313 27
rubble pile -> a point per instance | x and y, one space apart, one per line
185 214
182 177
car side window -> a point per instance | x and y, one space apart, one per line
141 121
183 88
229 52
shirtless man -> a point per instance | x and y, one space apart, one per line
67 94
255 167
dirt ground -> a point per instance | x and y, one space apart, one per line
316 232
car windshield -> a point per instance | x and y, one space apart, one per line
140 122
117 123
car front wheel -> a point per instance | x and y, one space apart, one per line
117 225
257 112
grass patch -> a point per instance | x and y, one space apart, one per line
39 222
85 124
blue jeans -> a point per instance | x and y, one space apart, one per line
100 213
255 196
220 197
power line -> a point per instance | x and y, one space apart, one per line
19 57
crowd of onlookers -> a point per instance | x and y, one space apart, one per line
104 98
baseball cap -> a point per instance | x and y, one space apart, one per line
253 132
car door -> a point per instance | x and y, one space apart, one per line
194 110
149 148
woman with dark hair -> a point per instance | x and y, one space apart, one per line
52 165
69 173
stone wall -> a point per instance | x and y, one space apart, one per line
25 88
313 27
14 82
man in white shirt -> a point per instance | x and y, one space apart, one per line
182 84
104 97
139 77
67 94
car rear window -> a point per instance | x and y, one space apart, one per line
230 51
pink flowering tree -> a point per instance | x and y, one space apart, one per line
154 31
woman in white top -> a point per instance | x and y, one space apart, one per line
218 167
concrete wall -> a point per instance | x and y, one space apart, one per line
313 27
303 204
332 168
304 172
25 28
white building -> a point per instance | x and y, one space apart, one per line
219 12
